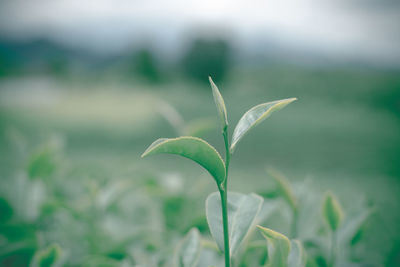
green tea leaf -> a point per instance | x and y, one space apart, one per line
219 102
284 188
188 252
297 255
242 211
332 211
278 247
254 116
352 226
47 257
192 148
210 257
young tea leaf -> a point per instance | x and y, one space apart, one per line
219 102
278 248
284 188
188 251
297 255
352 225
47 257
254 116
192 148
242 211
332 211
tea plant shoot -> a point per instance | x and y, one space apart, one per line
238 211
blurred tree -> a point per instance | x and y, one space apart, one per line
146 66
57 65
8 64
3 65
207 57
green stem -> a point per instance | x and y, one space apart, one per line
224 203
224 199
333 249
227 154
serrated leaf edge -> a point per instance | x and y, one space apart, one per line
161 141
265 114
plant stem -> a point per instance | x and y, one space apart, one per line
227 154
224 204
224 199
333 249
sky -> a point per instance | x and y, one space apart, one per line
361 29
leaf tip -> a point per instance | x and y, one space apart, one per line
269 233
152 146
332 210
146 152
290 100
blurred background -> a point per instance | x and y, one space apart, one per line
86 86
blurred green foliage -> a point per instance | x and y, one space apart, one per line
146 67
42 164
205 58
47 257
103 206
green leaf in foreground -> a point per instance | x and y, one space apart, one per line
192 148
47 257
219 102
332 211
254 116
242 211
189 249
278 247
